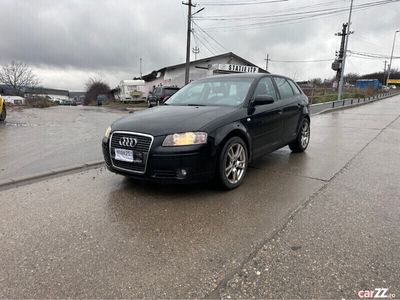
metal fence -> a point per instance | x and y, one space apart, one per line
319 107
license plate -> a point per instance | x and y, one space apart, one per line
128 156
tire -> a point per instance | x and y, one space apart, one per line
3 114
234 154
149 104
302 140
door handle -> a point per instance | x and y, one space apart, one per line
280 112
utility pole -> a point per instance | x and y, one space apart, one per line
343 64
140 68
189 30
391 57
337 65
196 50
384 72
266 62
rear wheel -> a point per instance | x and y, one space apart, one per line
232 164
302 140
3 113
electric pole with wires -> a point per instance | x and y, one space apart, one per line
195 50
343 60
266 62
189 30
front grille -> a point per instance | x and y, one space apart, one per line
143 145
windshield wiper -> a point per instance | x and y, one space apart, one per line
195 104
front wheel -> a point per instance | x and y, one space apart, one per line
232 164
3 114
302 140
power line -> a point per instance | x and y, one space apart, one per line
254 2
211 37
202 42
207 41
301 61
275 11
370 55
287 18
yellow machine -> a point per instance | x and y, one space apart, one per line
3 111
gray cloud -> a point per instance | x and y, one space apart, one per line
66 41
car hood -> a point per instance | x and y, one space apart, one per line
168 119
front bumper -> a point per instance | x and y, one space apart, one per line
165 164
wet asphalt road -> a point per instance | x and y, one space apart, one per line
97 235
37 140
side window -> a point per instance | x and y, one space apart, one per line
294 87
265 87
283 87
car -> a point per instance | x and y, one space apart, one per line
160 94
211 128
3 110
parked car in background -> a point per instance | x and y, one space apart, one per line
212 127
3 110
160 94
67 102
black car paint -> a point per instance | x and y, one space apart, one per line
264 128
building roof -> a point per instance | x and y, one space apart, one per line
46 91
153 74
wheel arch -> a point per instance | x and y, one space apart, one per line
225 133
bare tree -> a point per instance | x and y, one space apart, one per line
94 88
18 76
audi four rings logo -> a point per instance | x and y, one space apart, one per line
127 142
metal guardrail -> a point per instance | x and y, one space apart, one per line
319 107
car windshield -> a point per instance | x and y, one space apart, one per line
213 92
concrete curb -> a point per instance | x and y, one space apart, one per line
328 110
23 180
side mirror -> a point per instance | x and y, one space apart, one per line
262 100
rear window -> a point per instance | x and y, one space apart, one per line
170 92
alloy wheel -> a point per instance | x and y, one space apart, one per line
305 134
235 163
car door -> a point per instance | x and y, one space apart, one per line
291 110
156 96
264 122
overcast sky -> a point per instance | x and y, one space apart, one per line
68 41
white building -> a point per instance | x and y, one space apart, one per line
210 66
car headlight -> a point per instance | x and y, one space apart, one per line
185 139
108 132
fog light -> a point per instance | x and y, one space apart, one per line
181 173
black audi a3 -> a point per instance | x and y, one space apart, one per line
211 128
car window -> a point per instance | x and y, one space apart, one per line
283 87
265 87
294 87
216 91
170 92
